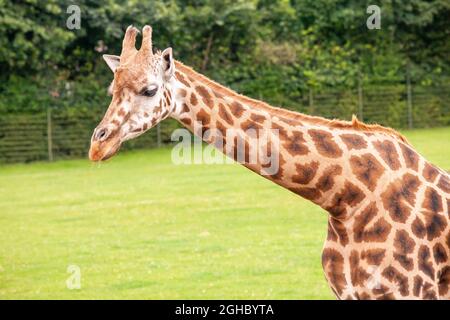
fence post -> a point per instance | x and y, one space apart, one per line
311 101
360 99
409 96
49 134
158 135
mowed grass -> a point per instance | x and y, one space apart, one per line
140 227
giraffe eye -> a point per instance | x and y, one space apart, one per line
149 92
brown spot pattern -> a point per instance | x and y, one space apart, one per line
404 245
158 108
349 196
377 233
331 235
251 125
295 144
290 122
418 228
307 193
373 256
424 261
282 132
363 296
185 108
444 281
241 150
325 143
193 99
279 174
410 156
237 109
439 253
367 169
204 118
417 286
306 172
400 196
340 230
182 93
257 118
430 172
435 222
397 277
353 141
444 184
164 113
168 97
358 275
326 181
217 94
333 265
181 78
388 153
221 128
428 292
383 293
186 121
223 113
121 112
206 97
432 201
426 288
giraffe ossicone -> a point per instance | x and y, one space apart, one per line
389 224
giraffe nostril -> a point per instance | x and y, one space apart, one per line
101 134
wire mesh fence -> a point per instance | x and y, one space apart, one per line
59 134
388 106
52 135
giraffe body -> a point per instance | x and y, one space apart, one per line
388 227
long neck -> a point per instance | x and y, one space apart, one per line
309 159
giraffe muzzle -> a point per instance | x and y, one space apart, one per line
104 144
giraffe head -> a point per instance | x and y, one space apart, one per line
141 94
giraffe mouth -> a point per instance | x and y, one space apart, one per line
100 151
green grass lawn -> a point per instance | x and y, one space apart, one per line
140 227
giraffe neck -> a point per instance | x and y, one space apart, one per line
389 208
310 159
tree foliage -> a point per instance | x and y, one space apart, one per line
272 49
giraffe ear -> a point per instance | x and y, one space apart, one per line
168 64
112 61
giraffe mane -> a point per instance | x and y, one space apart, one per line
354 124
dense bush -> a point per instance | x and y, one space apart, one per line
265 48
276 50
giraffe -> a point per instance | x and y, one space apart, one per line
388 207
